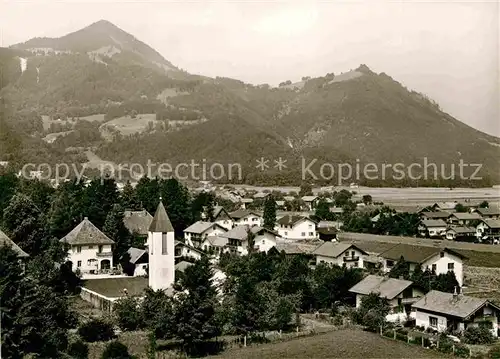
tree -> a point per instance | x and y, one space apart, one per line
115 229
484 204
78 349
401 269
460 208
34 318
196 306
478 335
67 208
270 213
96 330
128 316
373 310
129 199
322 211
305 189
148 193
157 313
98 200
367 199
209 207
177 203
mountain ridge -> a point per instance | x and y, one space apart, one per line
358 115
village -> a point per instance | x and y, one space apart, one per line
436 284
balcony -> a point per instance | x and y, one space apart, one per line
410 300
351 258
105 254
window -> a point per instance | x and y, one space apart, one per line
310 226
100 249
441 254
353 253
286 233
163 243
91 247
451 267
303 234
390 263
434 267
433 322
79 264
311 234
79 249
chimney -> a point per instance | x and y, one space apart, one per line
455 294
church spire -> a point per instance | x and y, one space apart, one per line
161 222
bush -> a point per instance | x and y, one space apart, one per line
494 353
96 330
116 350
401 336
78 350
462 351
478 335
128 316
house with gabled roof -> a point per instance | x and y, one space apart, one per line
139 258
310 201
223 218
90 250
489 213
444 215
461 233
432 228
343 254
137 222
438 260
264 239
245 202
196 233
6 241
444 206
455 312
243 217
400 293
184 250
296 227
463 219
488 229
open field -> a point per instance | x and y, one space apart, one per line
407 196
337 344
127 125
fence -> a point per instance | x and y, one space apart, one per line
438 343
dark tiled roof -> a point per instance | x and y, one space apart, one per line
489 211
459 230
466 216
161 222
386 287
433 223
460 306
414 254
492 223
436 215
6 241
240 213
137 221
86 233
335 249
290 220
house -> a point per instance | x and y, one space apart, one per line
400 293
196 233
488 228
342 254
444 206
90 250
215 245
435 215
246 217
464 219
438 260
310 201
245 202
280 204
261 195
327 233
432 228
184 250
296 227
137 222
289 198
222 218
460 233
264 239
455 312
489 213
139 258
336 210
329 224
6 241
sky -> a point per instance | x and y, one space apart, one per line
448 50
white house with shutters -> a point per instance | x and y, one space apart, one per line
195 234
342 254
296 227
90 250
244 217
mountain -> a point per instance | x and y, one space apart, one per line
101 89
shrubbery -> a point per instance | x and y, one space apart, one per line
96 330
78 350
116 350
478 335
494 352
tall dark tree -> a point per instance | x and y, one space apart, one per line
305 189
367 199
129 199
148 193
40 193
177 203
270 213
99 198
195 311
115 229
34 318
67 208
157 313
401 269
322 211
8 187
209 208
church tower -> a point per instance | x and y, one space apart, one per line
161 250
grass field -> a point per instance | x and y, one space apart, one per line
127 125
337 344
